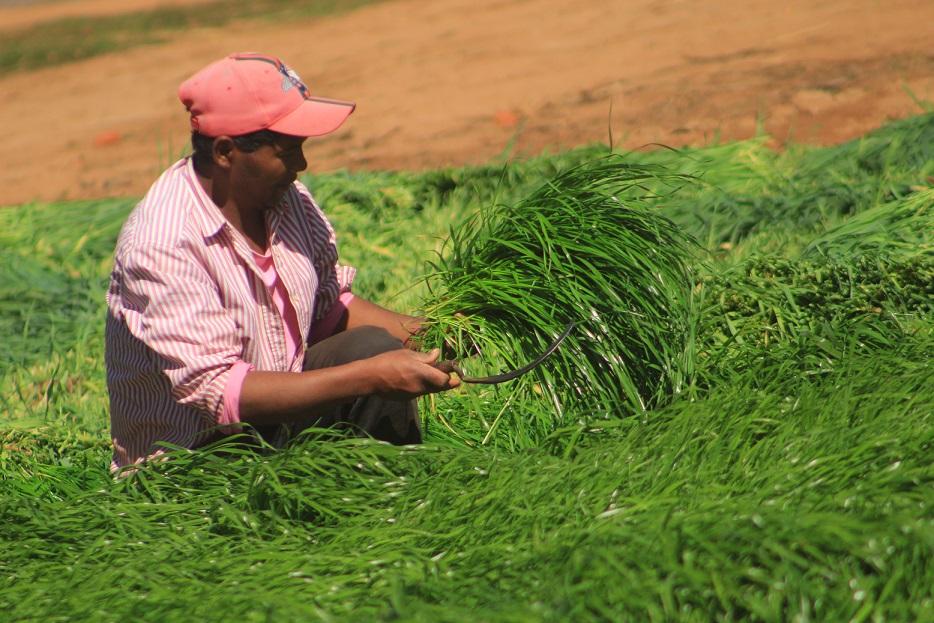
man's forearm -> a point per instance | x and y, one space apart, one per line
276 397
361 312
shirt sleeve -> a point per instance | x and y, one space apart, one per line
326 326
171 305
230 414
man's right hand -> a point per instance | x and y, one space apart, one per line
405 374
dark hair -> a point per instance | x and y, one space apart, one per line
202 145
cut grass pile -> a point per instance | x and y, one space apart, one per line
588 247
789 479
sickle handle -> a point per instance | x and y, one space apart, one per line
448 366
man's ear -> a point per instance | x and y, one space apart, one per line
222 150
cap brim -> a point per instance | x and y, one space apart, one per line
315 117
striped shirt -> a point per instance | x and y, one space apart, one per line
187 303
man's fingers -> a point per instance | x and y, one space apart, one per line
431 356
449 380
415 373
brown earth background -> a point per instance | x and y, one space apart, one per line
454 82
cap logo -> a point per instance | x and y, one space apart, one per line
289 78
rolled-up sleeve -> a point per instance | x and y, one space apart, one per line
170 304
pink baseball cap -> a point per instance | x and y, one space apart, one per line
247 92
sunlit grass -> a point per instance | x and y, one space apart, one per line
587 247
790 479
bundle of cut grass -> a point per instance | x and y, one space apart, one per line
902 227
587 247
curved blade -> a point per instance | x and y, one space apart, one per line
452 366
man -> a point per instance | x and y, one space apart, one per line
227 303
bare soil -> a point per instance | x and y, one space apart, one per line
16 14
453 82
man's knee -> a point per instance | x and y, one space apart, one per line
370 341
351 345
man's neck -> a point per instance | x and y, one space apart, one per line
249 222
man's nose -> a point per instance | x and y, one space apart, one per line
300 163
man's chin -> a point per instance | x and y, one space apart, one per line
276 198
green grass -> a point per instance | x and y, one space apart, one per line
70 39
587 247
780 469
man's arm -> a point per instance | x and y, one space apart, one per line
361 312
275 397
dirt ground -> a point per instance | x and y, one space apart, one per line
16 14
451 82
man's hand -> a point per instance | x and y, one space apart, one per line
405 374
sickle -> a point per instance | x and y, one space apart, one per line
449 365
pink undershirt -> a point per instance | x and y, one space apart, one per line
230 415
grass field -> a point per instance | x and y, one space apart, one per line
755 444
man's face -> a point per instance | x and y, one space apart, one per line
260 178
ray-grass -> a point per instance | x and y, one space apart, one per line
793 482
765 500
901 227
587 247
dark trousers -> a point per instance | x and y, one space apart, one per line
395 421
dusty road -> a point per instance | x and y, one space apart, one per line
447 82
